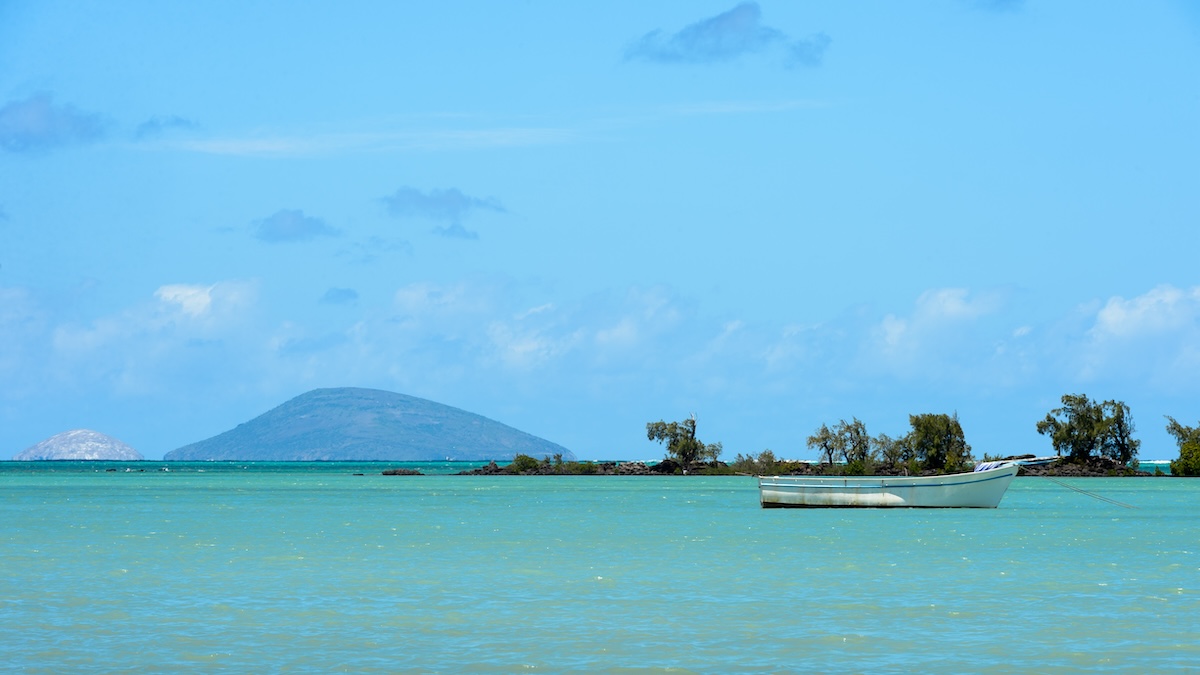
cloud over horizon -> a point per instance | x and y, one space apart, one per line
37 124
448 206
726 37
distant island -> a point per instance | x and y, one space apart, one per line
79 444
353 424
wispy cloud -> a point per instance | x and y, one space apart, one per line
305 145
727 37
289 225
38 124
809 51
166 133
447 206
372 248
161 124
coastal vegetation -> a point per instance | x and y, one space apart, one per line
1188 439
935 444
525 465
1085 431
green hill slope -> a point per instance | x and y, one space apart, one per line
367 424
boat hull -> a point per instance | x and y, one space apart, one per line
981 490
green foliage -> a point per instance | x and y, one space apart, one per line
855 444
581 468
828 445
523 463
937 442
682 445
1083 429
847 442
1188 439
766 464
893 452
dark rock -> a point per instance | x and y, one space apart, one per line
1096 467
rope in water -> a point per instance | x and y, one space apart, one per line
1091 494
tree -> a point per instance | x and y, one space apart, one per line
1074 428
893 451
938 443
1116 440
828 445
1083 429
1188 439
847 442
855 443
682 445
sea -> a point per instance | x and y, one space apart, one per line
214 567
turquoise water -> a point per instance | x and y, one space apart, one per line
324 571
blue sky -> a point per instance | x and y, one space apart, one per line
577 218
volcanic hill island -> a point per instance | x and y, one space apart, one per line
79 444
351 424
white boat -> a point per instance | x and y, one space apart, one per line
981 489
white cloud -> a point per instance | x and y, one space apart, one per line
951 332
937 314
1153 338
525 347
1163 309
222 299
191 300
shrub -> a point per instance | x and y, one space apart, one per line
523 464
1188 463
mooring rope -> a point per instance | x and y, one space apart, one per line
1091 494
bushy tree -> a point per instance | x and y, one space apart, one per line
1116 438
1188 439
1083 429
766 464
682 445
938 443
935 443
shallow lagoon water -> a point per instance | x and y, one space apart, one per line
319 570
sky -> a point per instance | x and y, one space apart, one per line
577 218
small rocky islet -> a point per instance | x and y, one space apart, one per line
80 444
